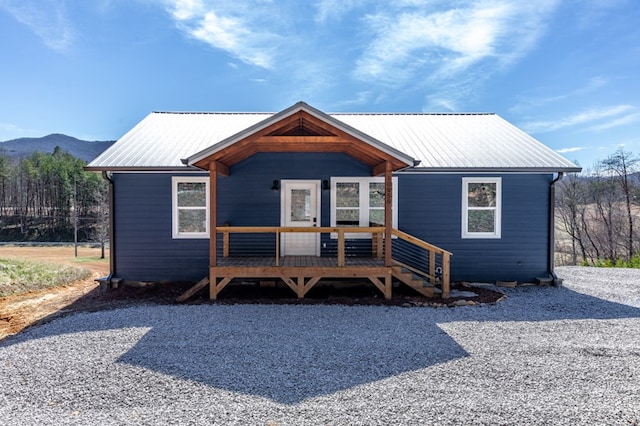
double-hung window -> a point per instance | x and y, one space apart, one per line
481 207
359 202
190 207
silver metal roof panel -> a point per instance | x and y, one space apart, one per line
447 142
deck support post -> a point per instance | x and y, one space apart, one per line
387 286
300 287
388 214
213 285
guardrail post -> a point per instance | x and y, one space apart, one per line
445 275
340 247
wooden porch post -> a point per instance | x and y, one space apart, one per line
388 213
213 249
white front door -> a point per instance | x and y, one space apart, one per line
300 206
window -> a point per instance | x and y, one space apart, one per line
481 207
359 202
190 207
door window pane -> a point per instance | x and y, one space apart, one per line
300 205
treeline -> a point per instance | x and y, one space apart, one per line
49 197
598 212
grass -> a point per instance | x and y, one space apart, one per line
19 276
634 262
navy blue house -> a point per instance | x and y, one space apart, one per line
462 197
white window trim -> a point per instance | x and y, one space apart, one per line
364 201
175 180
465 207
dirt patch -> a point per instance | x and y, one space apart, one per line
21 311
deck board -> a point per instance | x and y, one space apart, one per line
298 262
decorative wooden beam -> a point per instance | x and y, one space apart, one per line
222 169
286 140
379 169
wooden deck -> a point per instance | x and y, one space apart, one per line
300 273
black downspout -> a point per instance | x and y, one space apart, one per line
112 240
552 229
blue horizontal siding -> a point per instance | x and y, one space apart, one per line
145 249
430 207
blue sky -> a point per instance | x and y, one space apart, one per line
566 72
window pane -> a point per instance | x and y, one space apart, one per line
192 220
347 194
376 194
482 194
300 205
192 194
481 221
348 217
376 217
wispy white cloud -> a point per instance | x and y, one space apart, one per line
532 101
235 27
588 116
456 47
571 149
327 10
620 121
47 18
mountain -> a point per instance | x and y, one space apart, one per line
85 150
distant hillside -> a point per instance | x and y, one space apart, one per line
85 150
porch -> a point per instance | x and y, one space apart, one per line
358 253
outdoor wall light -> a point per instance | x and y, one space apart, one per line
325 184
275 185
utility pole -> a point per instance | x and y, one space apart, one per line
75 216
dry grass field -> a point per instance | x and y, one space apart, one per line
22 310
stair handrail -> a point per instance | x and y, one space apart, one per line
433 251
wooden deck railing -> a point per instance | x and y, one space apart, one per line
340 233
427 268
433 252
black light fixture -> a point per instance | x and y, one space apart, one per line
325 184
276 185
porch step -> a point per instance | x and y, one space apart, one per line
412 280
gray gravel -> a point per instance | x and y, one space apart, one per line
545 355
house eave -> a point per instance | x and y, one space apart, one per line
531 170
142 169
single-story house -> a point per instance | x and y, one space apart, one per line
302 195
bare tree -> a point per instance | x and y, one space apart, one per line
571 206
621 165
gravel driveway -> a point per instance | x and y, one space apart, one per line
568 355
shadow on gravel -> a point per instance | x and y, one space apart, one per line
289 353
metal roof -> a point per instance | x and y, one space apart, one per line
442 142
